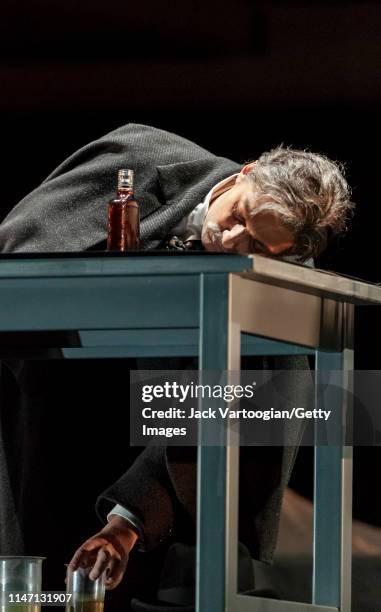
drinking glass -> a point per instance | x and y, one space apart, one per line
20 578
87 595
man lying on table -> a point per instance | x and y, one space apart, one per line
286 203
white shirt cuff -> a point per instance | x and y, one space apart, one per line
129 516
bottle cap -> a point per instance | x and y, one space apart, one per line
125 179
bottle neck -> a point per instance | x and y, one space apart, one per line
124 192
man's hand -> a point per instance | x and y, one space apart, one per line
107 550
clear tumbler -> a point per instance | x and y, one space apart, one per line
87 595
20 583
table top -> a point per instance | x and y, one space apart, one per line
141 263
105 263
311 280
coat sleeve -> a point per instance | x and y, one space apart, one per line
147 491
67 212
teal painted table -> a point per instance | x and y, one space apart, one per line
216 307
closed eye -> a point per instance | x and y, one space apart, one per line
257 247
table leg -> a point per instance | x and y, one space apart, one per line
211 484
333 500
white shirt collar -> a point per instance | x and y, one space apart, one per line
190 226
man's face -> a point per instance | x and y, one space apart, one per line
229 228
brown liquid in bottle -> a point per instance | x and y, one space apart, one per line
123 216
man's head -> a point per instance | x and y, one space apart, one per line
286 202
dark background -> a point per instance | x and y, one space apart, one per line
238 77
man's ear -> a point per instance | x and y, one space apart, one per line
245 170
247 167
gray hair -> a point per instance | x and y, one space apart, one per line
308 192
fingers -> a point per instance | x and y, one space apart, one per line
100 555
101 563
236 231
237 239
78 560
105 557
86 554
116 569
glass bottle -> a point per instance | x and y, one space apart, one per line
123 216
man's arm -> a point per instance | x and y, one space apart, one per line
147 493
68 211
